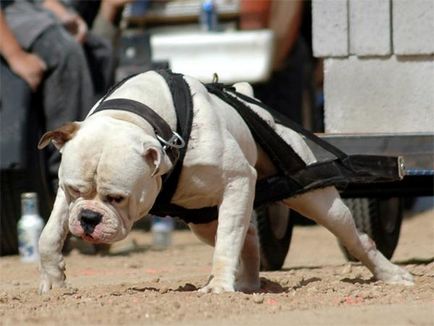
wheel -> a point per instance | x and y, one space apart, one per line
275 232
380 219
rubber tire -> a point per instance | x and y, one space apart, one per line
381 219
274 244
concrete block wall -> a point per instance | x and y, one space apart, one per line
370 28
383 79
330 27
413 27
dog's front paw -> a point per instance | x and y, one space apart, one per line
397 275
48 281
217 286
52 275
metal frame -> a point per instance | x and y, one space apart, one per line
417 149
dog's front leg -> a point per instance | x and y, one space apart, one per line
52 265
233 221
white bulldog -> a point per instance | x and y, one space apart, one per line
111 170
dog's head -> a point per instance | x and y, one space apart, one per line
110 173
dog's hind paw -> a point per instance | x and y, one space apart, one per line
216 286
248 287
397 276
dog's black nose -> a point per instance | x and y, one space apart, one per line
89 219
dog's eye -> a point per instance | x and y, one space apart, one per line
74 191
113 199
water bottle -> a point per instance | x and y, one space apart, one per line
208 16
161 229
29 228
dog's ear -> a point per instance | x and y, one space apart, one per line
59 136
158 158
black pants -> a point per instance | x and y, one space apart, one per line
284 90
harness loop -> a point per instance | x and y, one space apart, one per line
176 141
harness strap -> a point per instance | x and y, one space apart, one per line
184 116
281 119
161 128
184 113
283 156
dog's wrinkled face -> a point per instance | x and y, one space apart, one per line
111 175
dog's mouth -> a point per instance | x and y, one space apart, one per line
89 238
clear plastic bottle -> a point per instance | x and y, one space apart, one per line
161 229
29 227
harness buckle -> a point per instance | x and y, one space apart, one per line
176 141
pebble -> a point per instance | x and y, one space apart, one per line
312 289
155 280
164 290
70 291
258 299
347 269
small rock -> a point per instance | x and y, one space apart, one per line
116 293
312 289
164 290
258 299
155 280
4 297
16 283
347 269
70 291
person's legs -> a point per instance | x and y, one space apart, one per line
15 103
68 93
283 92
67 90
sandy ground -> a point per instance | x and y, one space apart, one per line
316 287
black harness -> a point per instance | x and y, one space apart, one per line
293 175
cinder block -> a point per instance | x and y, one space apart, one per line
379 95
330 28
413 27
370 26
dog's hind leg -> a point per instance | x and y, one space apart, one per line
325 207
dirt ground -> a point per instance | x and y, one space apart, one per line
316 286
